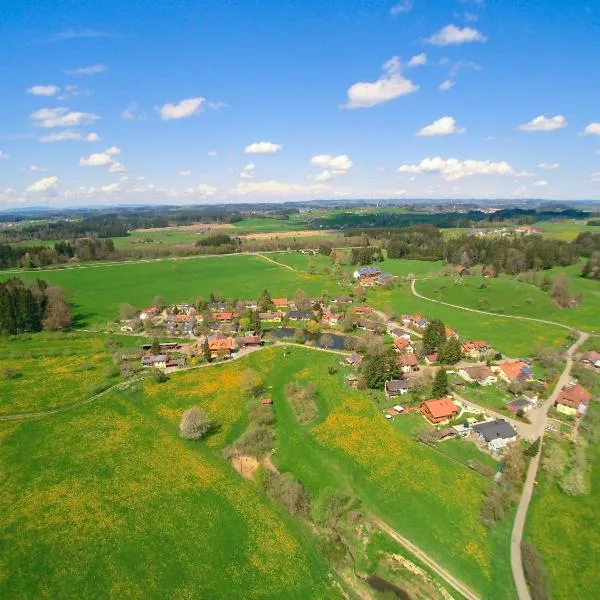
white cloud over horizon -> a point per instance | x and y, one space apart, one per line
592 129
181 110
452 169
543 123
68 135
100 159
42 185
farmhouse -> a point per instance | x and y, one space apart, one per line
384 278
149 313
280 302
219 344
573 400
362 310
368 282
176 362
156 360
366 272
331 318
437 411
396 387
270 317
371 326
514 371
497 434
475 349
479 374
248 340
408 363
403 345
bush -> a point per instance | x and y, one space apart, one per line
535 574
195 423
302 400
331 505
159 376
256 442
287 491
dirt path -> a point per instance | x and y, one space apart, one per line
516 559
434 566
276 263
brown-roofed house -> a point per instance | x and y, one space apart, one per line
450 333
408 363
475 348
222 316
220 344
479 374
403 345
436 411
573 400
280 302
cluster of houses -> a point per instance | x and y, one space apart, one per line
505 232
372 276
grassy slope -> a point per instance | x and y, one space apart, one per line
98 290
424 495
51 369
506 335
564 529
115 505
565 230
507 295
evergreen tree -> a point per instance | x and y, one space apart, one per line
206 350
379 368
440 384
434 337
451 352
155 346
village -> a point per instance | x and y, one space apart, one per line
486 398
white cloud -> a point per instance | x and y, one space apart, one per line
44 90
543 123
390 85
549 166
248 171
592 129
89 70
324 176
61 117
336 164
277 188
129 113
540 183
43 185
212 153
99 159
452 35
446 85
65 136
418 60
452 169
33 169
206 190
401 7
182 110
263 148
117 167
184 173
110 188
443 126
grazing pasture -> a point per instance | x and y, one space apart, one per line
565 230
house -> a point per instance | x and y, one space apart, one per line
354 360
362 310
366 272
514 371
475 349
439 410
397 332
270 317
444 434
528 230
460 270
591 358
222 317
395 387
368 282
450 333
156 360
403 345
479 374
331 318
176 362
248 340
431 358
218 306
251 304
418 321
163 346
520 404
390 413
374 326
343 300
300 315
408 363
497 434
384 278
219 344
573 400
280 302
149 313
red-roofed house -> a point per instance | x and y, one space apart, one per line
403 345
222 316
450 333
573 400
362 309
431 358
280 302
514 371
437 411
408 363
475 348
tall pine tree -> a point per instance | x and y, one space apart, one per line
440 384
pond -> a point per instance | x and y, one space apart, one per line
333 341
383 585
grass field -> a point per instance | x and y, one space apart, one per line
266 225
565 230
507 295
564 530
513 338
97 290
140 238
42 371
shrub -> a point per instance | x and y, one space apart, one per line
287 491
302 400
195 423
256 442
535 574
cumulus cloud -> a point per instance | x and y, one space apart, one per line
117 167
43 90
443 126
263 148
61 117
43 185
540 183
248 171
390 85
67 135
452 169
543 123
336 164
549 166
100 159
446 85
453 35
110 188
401 7
212 153
592 129
273 187
206 190
182 110
418 60
184 173
89 70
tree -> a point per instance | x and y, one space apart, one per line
451 352
251 383
159 302
513 472
313 327
58 312
533 448
301 300
201 304
554 459
127 312
155 346
434 337
359 292
206 350
440 384
560 290
195 423
379 368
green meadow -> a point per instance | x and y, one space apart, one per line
506 295
511 337
565 230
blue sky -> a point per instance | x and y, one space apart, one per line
275 100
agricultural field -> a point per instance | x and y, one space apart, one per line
169 236
96 291
507 295
566 230
266 225
47 370
564 530
512 338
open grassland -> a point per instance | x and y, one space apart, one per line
506 295
265 225
48 370
169 236
114 504
511 337
565 230
564 530
96 291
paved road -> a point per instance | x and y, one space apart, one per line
516 560
424 558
